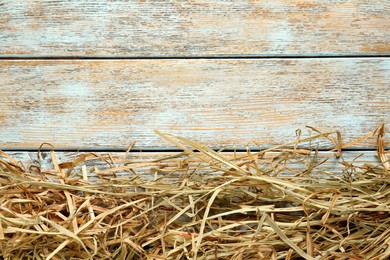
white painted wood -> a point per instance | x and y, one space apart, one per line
79 104
147 164
193 28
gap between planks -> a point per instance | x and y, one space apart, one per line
196 57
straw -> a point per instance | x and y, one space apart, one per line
279 203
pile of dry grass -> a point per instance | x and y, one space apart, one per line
199 204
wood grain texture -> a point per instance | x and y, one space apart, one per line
104 161
194 28
79 104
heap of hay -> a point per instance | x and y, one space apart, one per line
198 204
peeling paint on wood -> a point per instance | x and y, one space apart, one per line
193 28
96 104
94 165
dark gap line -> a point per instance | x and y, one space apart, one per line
149 150
209 57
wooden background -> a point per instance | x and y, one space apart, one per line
96 75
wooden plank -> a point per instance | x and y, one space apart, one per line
81 104
194 28
104 161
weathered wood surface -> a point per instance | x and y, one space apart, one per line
76 104
147 164
194 28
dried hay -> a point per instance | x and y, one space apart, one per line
199 204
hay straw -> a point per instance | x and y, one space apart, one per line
199 204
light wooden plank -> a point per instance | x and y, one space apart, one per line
158 162
194 28
79 104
